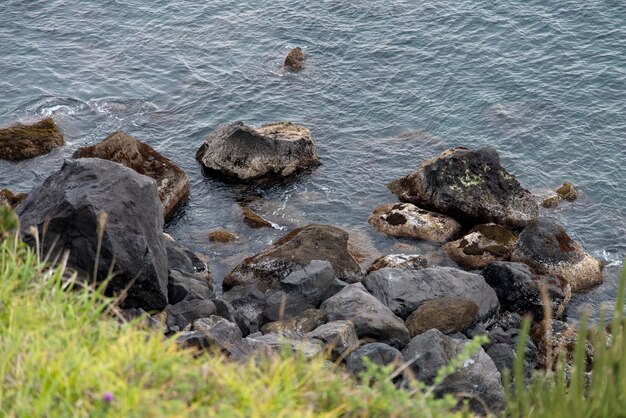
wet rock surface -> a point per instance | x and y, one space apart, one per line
407 220
73 200
21 142
481 246
293 251
399 261
470 186
548 249
293 60
404 290
274 150
172 181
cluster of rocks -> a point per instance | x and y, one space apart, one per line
307 291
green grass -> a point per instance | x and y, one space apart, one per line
62 351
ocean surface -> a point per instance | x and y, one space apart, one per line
386 84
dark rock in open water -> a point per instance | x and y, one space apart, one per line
293 251
470 186
405 290
172 181
294 59
133 243
370 317
548 249
277 149
478 378
20 142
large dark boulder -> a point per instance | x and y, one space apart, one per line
70 202
294 251
548 249
274 150
405 290
470 186
519 289
370 317
478 379
20 142
172 181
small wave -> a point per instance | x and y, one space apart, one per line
122 108
51 105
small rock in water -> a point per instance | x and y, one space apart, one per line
253 220
551 202
20 142
222 235
294 59
567 191
407 220
12 199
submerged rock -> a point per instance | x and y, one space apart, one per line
548 249
222 235
448 315
20 142
253 220
405 290
478 379
482 245
172 181
407 220
470 186
277 149
294 59
399 261
371 319
293 251
132 245
11 199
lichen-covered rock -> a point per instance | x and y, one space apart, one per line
71 202
405 290
567 192
222 236
277 149
275 343
407 220
548 249
399 261
551 202
448 315
484 244
478 379
20 142
470 186
7 197
519 289
371 319
293 60
305 321
254 220
172 181
338 336
294 251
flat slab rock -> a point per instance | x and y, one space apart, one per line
471 186
407 220
548 249
20 142
293 251
403 291
172 181
277 149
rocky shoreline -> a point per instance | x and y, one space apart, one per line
307 290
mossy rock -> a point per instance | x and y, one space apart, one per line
551 202
567 192
20 142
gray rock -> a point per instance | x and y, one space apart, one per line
404 290
478 378
470 186
338 336
133 244
303 322
245 153
503 356
377 353
225 335
370 317
249 301
274 343
547 249
187 311
228 312
399 261
294 251
519 289
183 286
